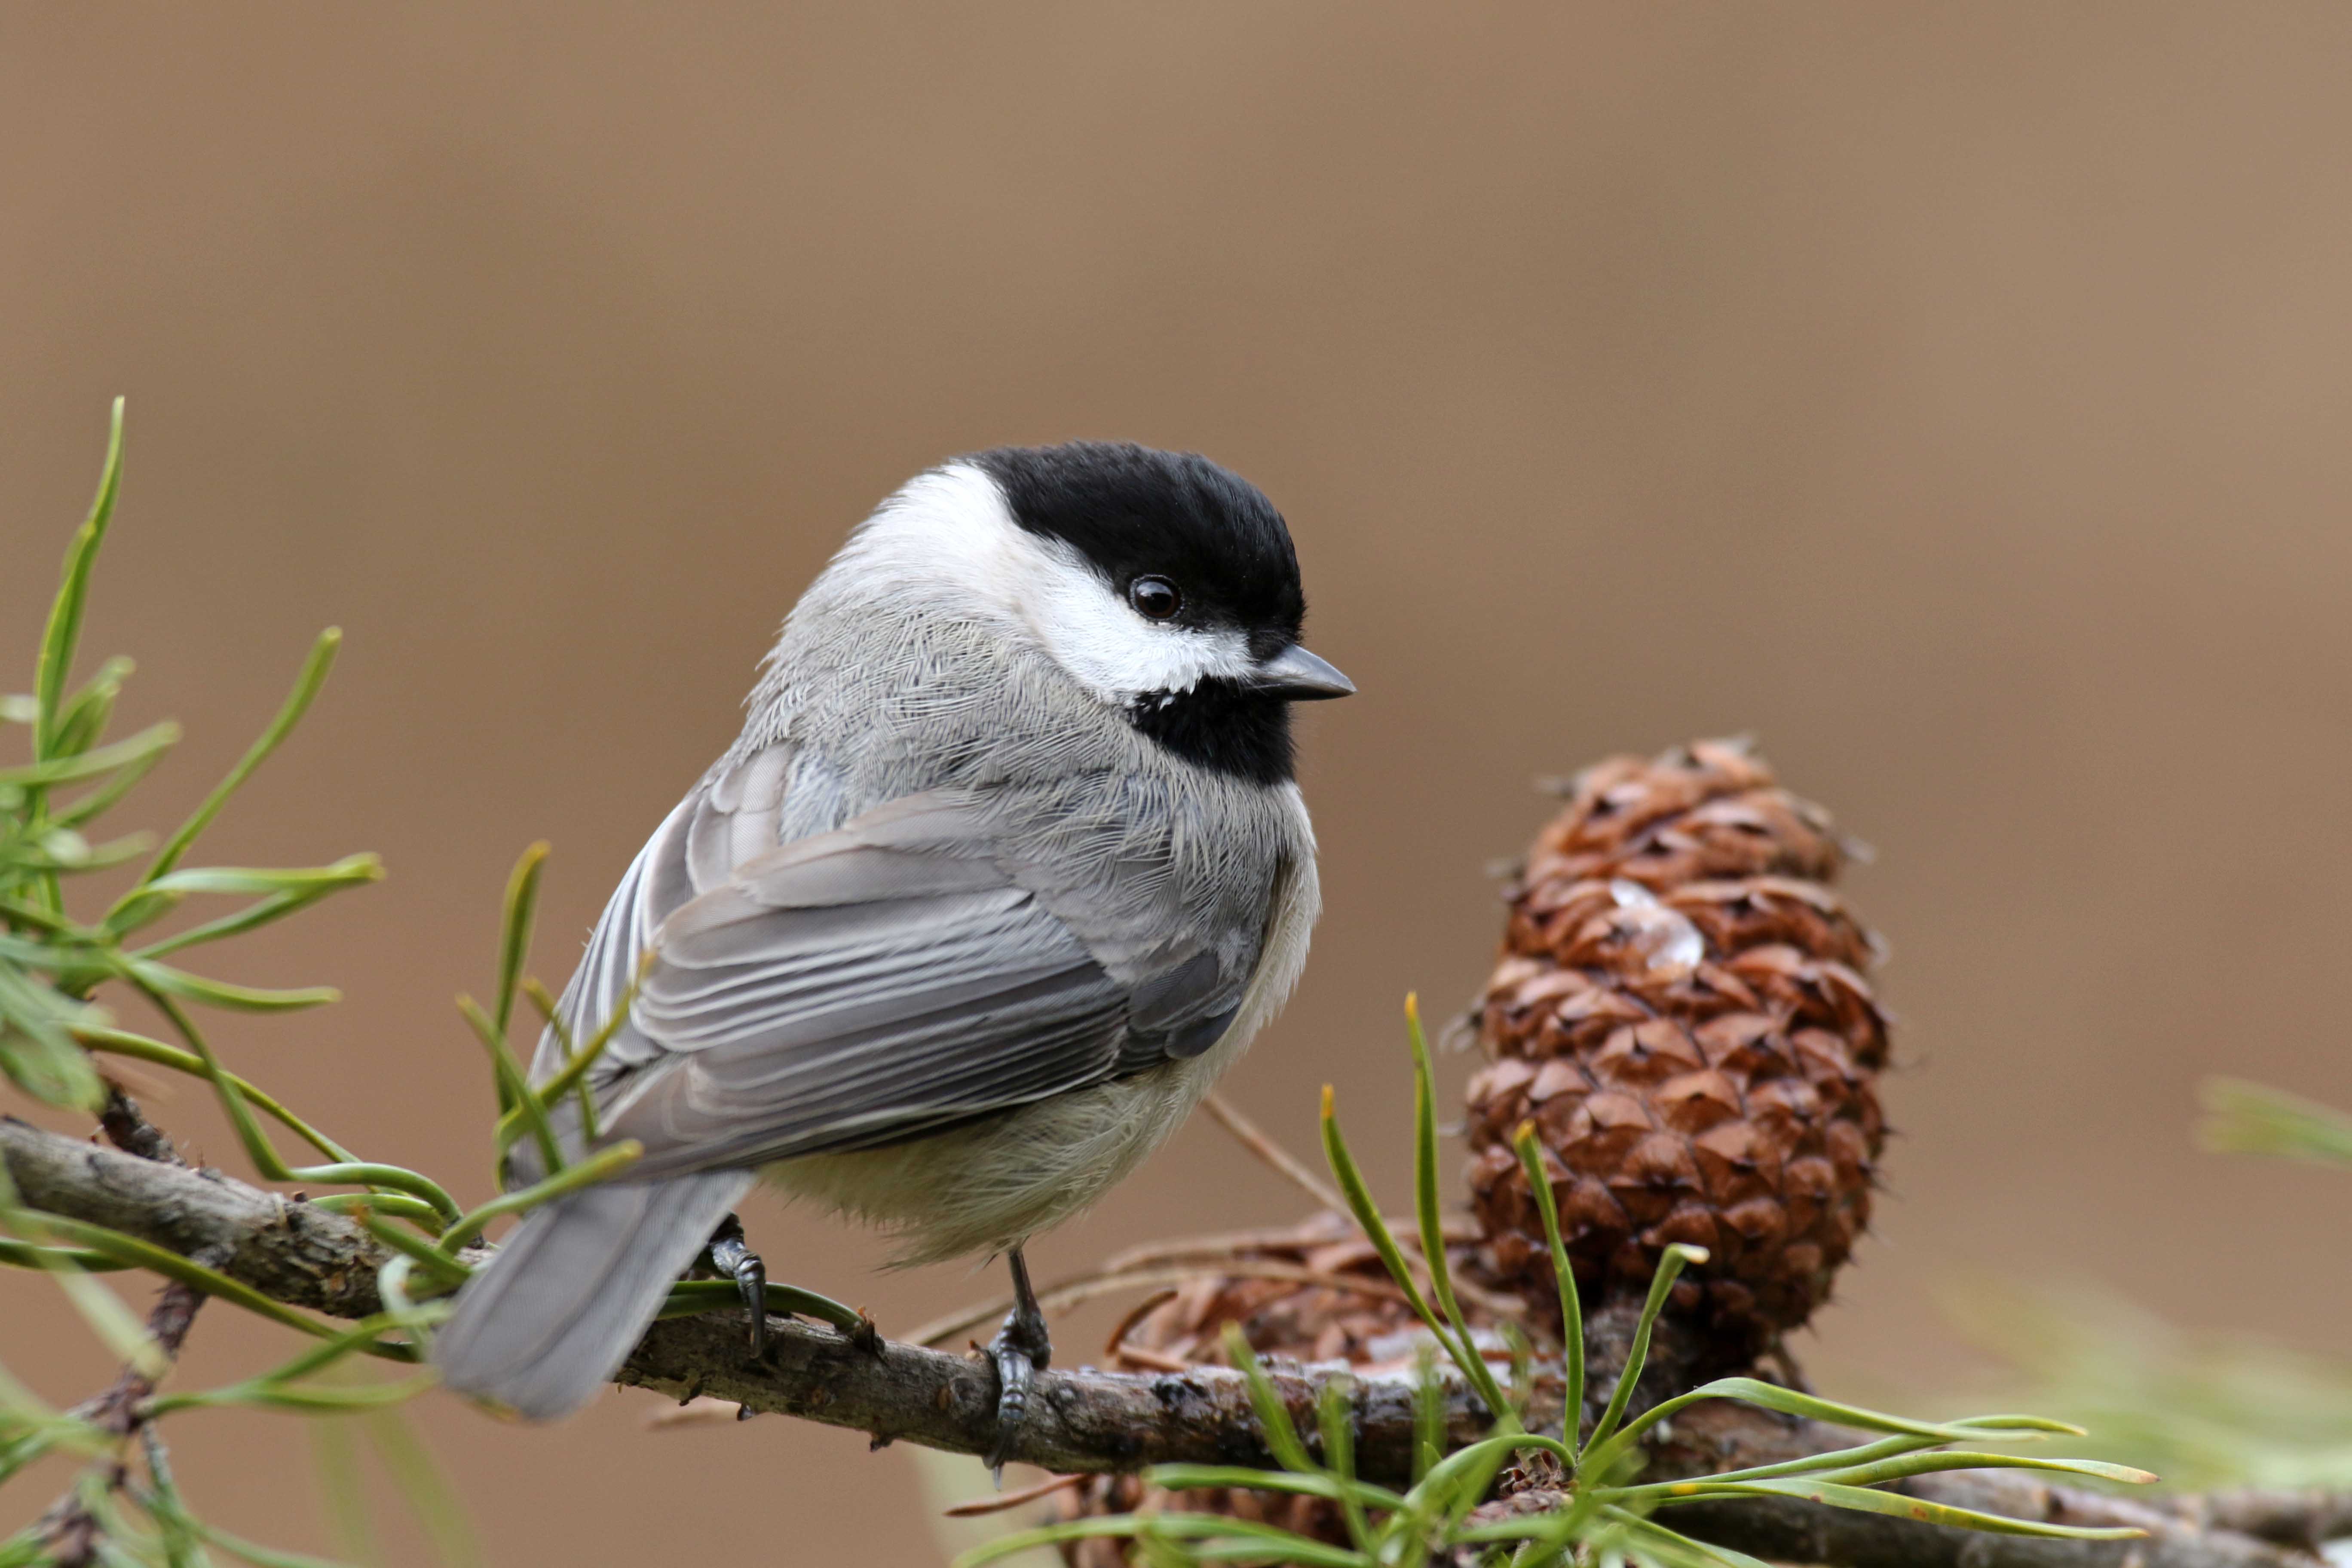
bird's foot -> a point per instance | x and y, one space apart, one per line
731 1257
1021 1350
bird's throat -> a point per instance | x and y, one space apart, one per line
1220 726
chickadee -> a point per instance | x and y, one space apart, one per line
1007 866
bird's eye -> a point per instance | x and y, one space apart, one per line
1155 599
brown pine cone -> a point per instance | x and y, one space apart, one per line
1682 1010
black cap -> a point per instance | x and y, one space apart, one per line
1133 511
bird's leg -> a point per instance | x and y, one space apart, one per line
1021 1349
731 1257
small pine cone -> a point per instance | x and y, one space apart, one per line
1682 1010
1364 1324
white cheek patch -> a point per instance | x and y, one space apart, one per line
1094 634
947 538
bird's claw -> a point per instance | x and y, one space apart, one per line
1015 1377
731 1257
1021 1350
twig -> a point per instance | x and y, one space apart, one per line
1330 1228
1162 1263
1088 1420
1219 1253
1254 1139
1802 1533
292 1252
132 1133
2304 1519
1085 1288
1300 1173
1116 1346
982 1506
69 1528
696 1412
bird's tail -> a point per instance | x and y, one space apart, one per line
549 1319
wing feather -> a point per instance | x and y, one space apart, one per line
871 984
861 986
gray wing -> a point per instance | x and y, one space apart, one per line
729 817
893 977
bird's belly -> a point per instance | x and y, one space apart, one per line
989 1186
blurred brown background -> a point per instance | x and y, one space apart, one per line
1957 397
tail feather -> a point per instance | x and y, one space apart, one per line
549 1319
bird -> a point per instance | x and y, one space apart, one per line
1008 864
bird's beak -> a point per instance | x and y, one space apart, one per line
1301 676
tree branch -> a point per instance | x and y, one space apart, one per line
69 1528
1720 1435
1089 1420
